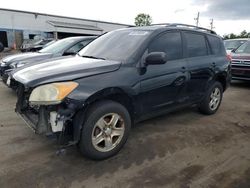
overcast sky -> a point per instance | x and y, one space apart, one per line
229 15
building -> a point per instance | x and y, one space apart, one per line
17 26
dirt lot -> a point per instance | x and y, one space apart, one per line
182 149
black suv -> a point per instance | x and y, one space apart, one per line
121 78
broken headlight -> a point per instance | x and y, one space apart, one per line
50 94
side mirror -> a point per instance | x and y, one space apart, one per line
156 58
1 47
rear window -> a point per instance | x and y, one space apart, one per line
215 44
196 45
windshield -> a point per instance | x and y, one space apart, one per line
58 46
244 48
117 45
37 42
233 44
49 43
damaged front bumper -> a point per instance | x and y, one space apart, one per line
50 119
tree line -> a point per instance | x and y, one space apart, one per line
243 34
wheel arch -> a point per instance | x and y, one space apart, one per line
113 93
222 78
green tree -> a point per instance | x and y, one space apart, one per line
244 34
143 19
232 36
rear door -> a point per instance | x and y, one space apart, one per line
163 86
200 64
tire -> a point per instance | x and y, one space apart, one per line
104 120
205 106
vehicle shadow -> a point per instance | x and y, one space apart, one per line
240 84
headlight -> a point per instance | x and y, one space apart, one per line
51 93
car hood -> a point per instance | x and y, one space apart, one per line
26 57
240 56
65 69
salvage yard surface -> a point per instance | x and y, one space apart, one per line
181 149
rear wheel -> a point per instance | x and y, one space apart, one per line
212 100
105 130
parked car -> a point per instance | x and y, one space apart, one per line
64 47
34 46
121 78
241 62
233 44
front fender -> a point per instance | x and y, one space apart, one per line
87 97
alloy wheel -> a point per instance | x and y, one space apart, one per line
108 132
215 98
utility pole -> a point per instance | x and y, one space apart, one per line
197 19
212 24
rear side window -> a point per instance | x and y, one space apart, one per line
196 45
215 44
170 43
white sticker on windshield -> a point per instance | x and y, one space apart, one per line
138 33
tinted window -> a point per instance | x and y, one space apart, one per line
215 44
170 43
196 45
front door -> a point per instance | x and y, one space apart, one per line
163 86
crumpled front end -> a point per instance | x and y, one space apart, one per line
56 119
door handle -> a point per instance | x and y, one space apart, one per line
179 81
213 64
183 69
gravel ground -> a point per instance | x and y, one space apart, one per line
181 149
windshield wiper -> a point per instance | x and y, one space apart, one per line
93 57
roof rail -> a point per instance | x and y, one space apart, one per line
186 25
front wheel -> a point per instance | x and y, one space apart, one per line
212 100
105 130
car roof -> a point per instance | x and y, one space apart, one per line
246 39
79 38
162 27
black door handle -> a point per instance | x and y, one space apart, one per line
183 69
213 65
